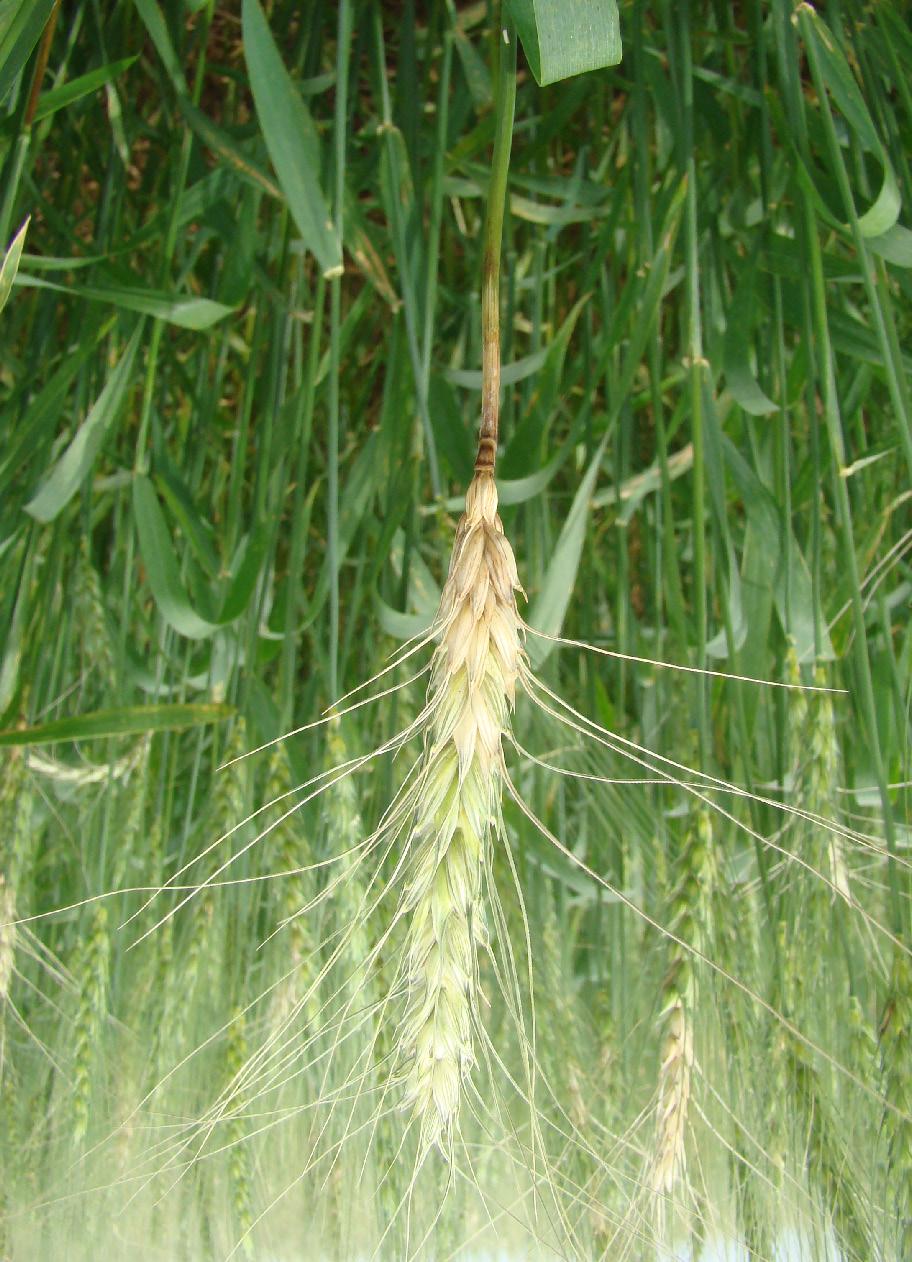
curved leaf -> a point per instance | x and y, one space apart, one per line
157 552
137 720
290 136
20 29
11 263
547 610
186 311
739 376
567 37
828 60
67 475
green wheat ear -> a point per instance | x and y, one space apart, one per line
456 803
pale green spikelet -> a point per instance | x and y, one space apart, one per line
230 785
12 841
7 948
98 654
91 974
240 1174
195 954
567 1038
896 1068
826 1153
184 979
456 802
815 777
130 833
344 820
296 943
690 922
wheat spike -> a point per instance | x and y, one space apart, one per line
93 977
7 940
895 1040
474 670
690 924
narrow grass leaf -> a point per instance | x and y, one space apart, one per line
34 428
546 613
246 573
290 136
840 82
12 646
20 28
157 552
477 75
67 475
567 37
401 626
185 311
792 588
224 147
84 85
510 374
895 246
155 24
138 720
10 264
739 376
523 453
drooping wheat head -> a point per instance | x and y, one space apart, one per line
476 664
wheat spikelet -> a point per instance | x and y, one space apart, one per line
7 941
476 664
240 1174
815 777
344 820
15 843
827 1156
96 639
92 975
895 1041
689 923
296 942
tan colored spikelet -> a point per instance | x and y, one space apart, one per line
476 664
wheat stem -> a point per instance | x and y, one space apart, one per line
505 62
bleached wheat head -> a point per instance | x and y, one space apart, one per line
476 664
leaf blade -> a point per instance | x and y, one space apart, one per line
562 38
67 475
137 720
290 136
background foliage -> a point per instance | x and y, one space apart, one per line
239 382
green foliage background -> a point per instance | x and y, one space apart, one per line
239 384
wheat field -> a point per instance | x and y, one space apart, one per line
412 849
